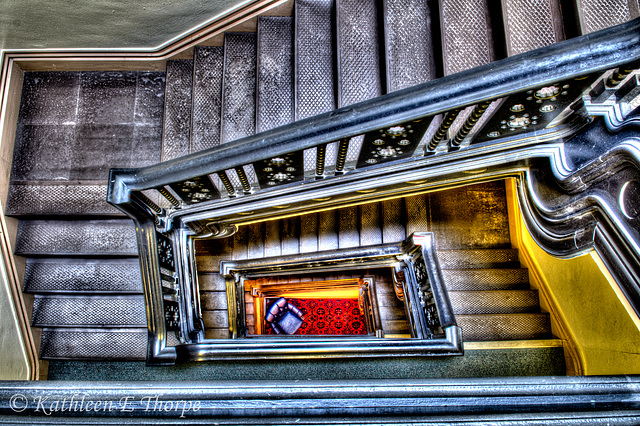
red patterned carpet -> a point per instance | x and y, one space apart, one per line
329 317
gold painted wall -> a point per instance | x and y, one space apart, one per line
602 324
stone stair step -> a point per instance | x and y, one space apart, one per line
314 63
215 319
88 311
408 41
211 282
274 101
494 302
238 87
272 244
370 224
94 345
207 95
177 109
213 300
531 24
238 113
393 222
486 279
314 68
71 275
327 230
493 327
467 40
113 237
216 333
348 232
309 233
478 258
358 53
38 198
104 344
210 253
359 74
595 15
255 240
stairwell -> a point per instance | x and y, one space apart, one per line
489 291
81 253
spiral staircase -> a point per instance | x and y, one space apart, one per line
82 266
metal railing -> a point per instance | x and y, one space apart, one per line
541 98
510 400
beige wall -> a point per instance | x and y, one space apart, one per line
17 350
13 352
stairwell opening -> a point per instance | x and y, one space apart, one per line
488 288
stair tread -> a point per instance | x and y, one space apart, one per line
490 327
466 35
531 24
112 237
358 51
477 258
486 279
89 311
238 87
408 43
82 275
274 100
34 198
358 58
598 18
215 319
177 110
207 87
94 345
314 65
494 301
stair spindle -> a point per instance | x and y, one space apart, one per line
246 186
227 183
320 156
166 194
343 148
475 116
447 121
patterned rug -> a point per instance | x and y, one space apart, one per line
328 317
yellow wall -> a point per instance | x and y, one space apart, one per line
600 321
